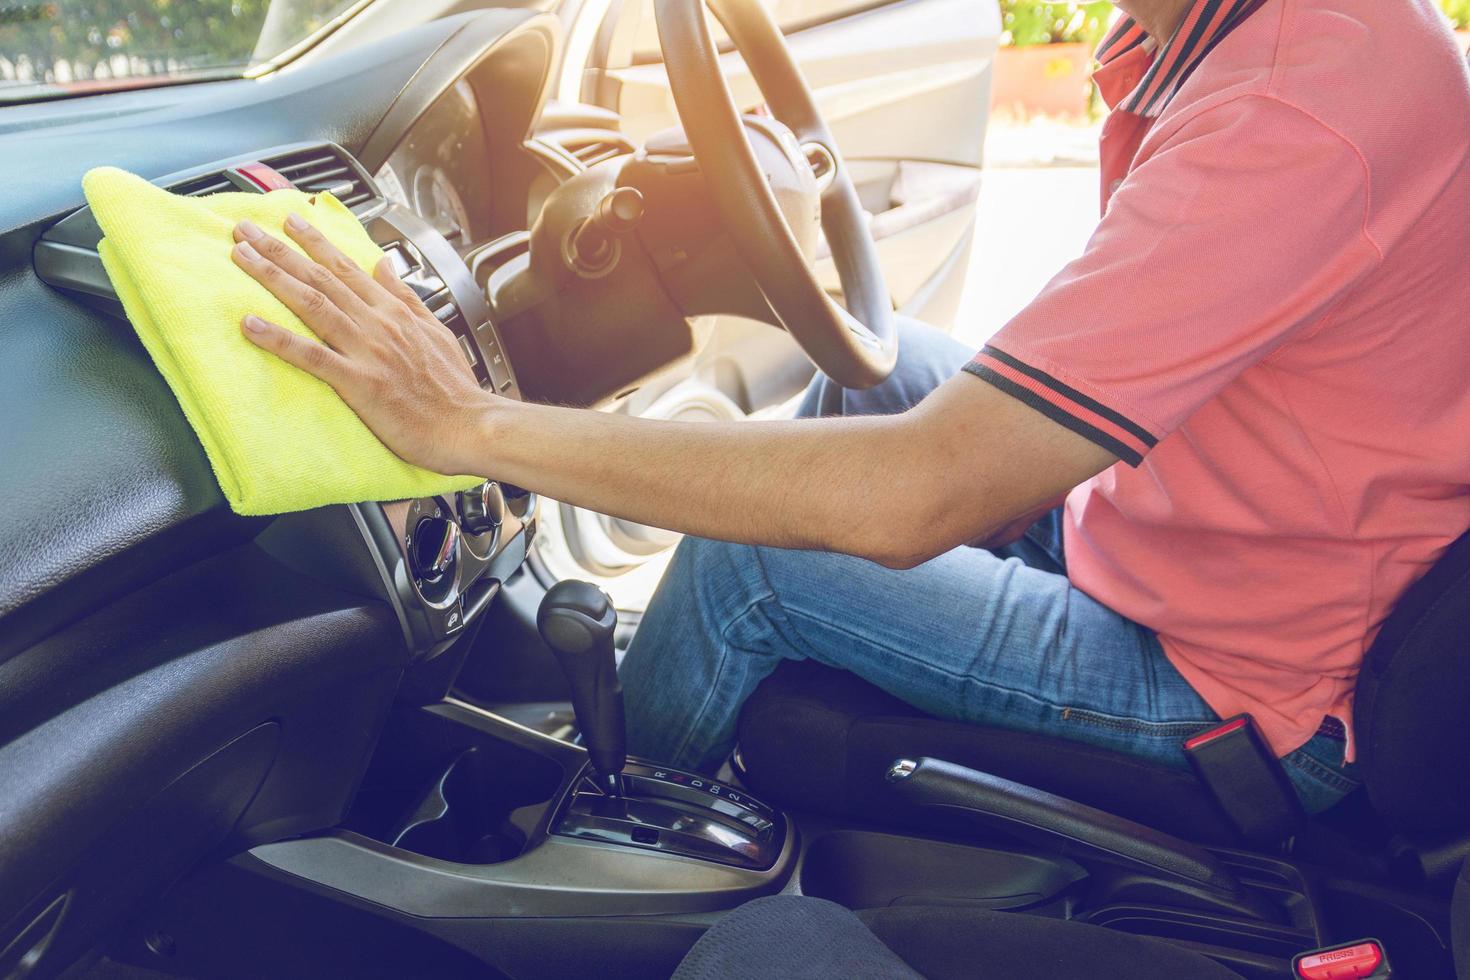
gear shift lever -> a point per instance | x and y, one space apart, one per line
640 804
576 620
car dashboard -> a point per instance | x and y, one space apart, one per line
441 560
440 176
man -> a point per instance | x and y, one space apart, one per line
1251 390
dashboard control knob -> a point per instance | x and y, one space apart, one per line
482 509
620 211
433 548
592 249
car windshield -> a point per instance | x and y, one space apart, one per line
52 48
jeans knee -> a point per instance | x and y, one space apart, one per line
716 570
712 578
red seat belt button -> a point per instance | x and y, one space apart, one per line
1354 961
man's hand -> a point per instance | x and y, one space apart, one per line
391 360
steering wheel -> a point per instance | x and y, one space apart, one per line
855 347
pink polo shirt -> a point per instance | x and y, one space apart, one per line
1271 329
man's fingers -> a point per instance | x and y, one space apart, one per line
313 306
332 258
308 355
387 278
302 268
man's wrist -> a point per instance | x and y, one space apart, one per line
483 434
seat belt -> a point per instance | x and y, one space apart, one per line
1247 780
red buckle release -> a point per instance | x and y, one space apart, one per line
1220 731
1351 961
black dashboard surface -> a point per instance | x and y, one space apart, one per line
97 462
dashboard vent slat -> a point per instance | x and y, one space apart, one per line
204 186
590 145
595 153
322 168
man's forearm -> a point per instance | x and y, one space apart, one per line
898 489
859 485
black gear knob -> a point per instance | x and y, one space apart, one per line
577 621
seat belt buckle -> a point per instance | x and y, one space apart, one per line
1363 958
1247 780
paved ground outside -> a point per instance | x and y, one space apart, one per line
1038 206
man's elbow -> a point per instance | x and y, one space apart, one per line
901 560
923 534
906 543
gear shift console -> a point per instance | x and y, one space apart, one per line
678 813
639 804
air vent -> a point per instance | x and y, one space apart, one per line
590 146
313 169
203 186
324 168
66 255
595 151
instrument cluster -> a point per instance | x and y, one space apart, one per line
441 170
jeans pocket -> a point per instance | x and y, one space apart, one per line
1320 775
1134 726
1159 742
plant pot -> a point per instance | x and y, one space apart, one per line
1043 80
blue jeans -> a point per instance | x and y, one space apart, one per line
994 637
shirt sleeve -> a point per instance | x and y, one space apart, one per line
1240 231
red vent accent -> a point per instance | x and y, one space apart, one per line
266 178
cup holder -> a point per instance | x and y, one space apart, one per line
464 816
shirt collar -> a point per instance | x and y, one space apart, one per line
1138 75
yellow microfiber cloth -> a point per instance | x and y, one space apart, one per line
279 439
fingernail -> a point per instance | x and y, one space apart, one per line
247 252
296 222
254 324
250 229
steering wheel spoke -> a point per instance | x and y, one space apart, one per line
856 346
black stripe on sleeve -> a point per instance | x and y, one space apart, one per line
1091 404
1089 432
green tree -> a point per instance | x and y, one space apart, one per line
1458 12
49 40
1028 22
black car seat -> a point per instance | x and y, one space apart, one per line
795 938
820 740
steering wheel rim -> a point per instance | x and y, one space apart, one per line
856 349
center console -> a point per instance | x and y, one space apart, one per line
535 857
